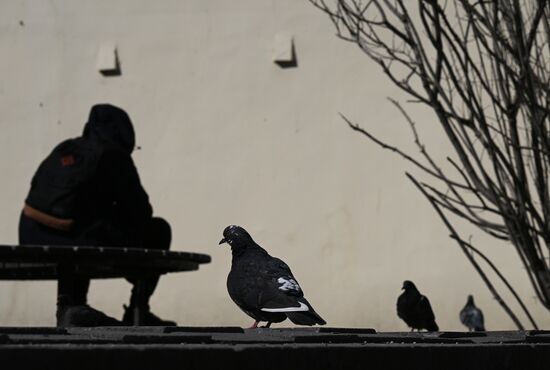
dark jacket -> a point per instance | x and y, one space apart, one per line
92 179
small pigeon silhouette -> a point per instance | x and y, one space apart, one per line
263 286
471 316
415 309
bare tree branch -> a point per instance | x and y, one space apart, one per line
483 68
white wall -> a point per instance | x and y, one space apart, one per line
228 137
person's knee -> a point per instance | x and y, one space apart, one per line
160 234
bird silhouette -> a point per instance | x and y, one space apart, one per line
263 286
415 309
471 316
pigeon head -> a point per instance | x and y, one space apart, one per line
408 285
236 236
470 299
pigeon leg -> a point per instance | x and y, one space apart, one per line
255 325
267 325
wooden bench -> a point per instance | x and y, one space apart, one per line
42 262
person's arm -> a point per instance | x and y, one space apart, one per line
130 196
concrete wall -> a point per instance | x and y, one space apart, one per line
229 137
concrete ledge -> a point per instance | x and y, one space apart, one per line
299 348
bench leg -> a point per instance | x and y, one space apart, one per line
140 291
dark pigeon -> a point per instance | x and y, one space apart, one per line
263 286
471 316
415 309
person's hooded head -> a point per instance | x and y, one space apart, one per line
110 124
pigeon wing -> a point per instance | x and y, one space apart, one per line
477 319
426 314
283 289
263 284
287 296
425 308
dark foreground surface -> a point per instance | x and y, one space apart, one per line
299 348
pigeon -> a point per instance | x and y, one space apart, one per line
263 286
471 316
415 309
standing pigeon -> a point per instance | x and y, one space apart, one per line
263 286
471 316
415 309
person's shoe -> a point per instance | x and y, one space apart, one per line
83 315
149 318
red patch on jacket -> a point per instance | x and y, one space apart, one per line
67 160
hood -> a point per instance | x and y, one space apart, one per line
111 124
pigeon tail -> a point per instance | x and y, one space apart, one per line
302 315
479 328
432 326
305 318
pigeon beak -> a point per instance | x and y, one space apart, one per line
222 241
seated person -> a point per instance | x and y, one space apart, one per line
87 192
